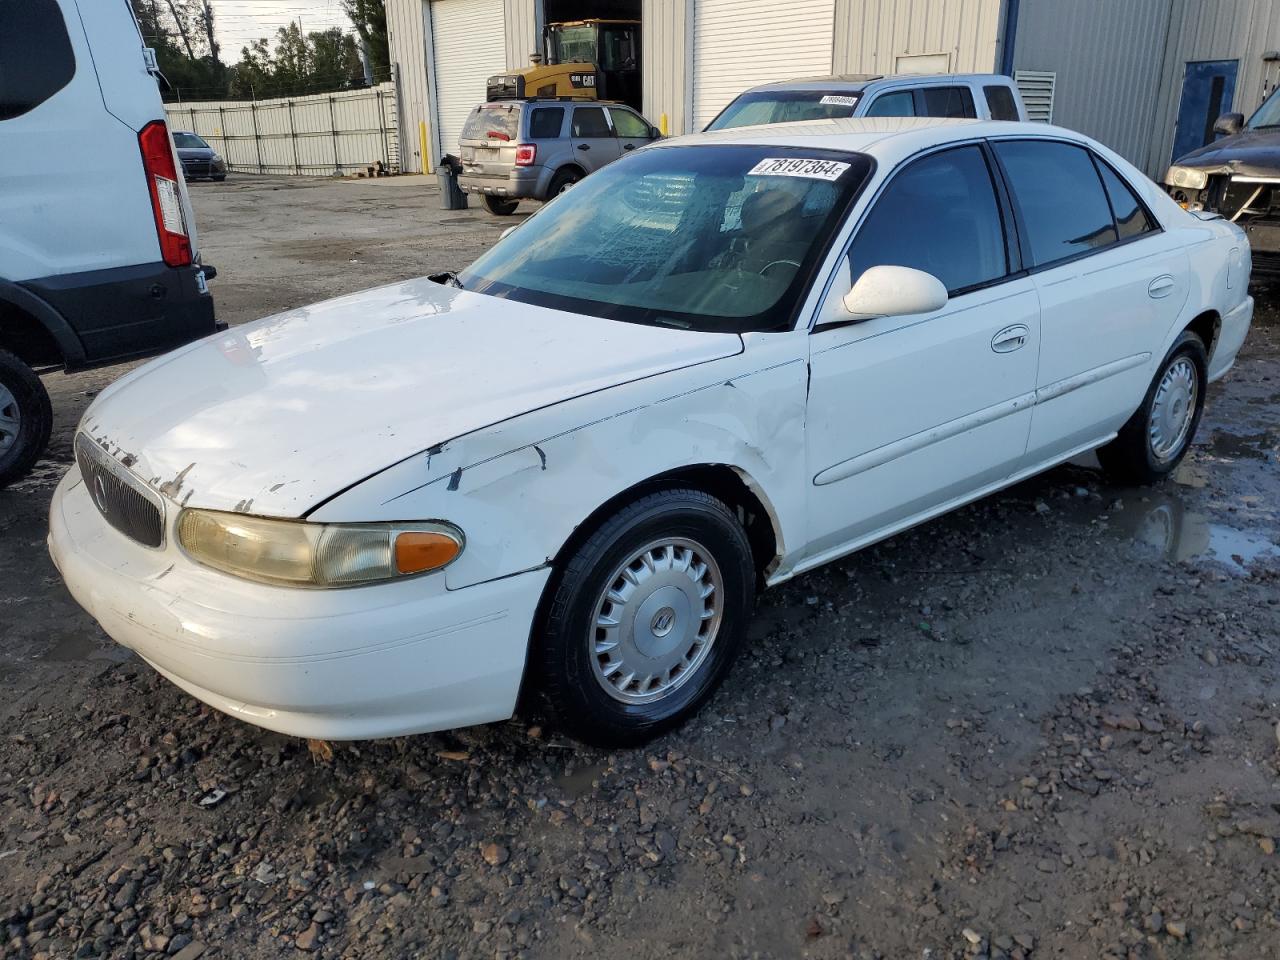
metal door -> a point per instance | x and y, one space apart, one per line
1208 90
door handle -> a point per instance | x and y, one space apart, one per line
1011 338
1161 287
628 146
584 146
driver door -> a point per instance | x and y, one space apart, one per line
911 414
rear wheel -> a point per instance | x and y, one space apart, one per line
562 181
1156 438
26 418
645 618
501 206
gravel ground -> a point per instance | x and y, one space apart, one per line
1047 725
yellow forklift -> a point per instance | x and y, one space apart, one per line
581 59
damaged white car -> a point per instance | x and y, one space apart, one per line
720 362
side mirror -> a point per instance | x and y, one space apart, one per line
890 291
1229 124
655 133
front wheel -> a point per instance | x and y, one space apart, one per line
26 418
645 618
1156 438
501 206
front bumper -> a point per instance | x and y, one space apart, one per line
360 663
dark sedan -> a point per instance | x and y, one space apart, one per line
199 160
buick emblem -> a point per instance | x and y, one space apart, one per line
100 493
663 622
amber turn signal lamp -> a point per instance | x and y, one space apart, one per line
419 551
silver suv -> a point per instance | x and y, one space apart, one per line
534 149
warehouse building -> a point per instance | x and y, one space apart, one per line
1146 77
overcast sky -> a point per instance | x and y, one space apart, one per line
237 22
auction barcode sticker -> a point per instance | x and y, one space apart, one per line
798 167
832 99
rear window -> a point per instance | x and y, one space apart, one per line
36 59
545 123
1001 103
491 122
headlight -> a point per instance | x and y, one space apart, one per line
300 554
1187 177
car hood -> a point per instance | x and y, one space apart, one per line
196 153
1253 153
276 416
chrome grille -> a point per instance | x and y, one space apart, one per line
124 501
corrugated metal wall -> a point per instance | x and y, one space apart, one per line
665 62
1107 56
1214 30
871 34
406 35
524 31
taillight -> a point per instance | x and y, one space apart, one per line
526 153
166 201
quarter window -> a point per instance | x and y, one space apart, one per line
1131 217
948 102
938 215
590 122
1059 196
1001 103
36 59
898 104
545 123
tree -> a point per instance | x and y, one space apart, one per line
370 19
182 34
315 62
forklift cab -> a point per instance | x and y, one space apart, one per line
612 45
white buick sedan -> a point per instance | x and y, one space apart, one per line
711 366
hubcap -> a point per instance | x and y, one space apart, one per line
10 419
656 620
1173 409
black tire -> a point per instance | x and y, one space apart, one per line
30 401
564 658
500 206
562 181
219 179
1130 457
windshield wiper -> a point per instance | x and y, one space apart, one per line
449 278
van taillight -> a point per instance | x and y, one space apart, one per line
525 154
166 201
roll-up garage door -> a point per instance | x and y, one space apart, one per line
740 43
468 40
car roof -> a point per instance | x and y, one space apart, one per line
888 139
855 82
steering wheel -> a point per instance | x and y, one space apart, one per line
768 266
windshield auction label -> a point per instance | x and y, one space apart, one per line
798 167
836 100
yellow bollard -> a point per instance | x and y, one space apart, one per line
662 124
422 144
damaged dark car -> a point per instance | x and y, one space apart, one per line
1238 177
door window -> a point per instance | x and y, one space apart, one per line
545 123
938 215
1001 103
590 122
948 102
1130 215
900 103
1059 197
628 125
36 59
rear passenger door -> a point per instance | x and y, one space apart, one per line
1111 285
594 144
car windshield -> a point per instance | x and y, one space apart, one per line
188 141
785 106
719 238
1267 115
493 122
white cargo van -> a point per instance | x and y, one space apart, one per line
98 255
